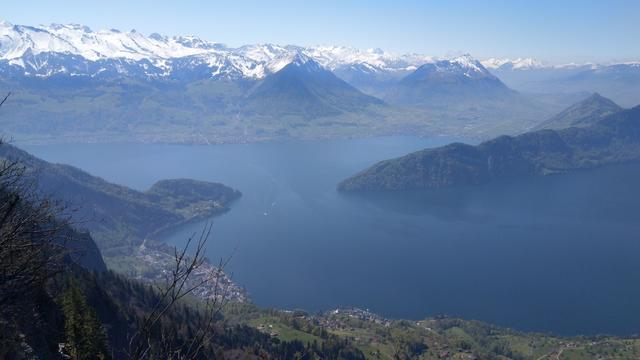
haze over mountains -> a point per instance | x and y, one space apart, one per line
71 83
617 81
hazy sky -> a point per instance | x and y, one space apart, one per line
554 30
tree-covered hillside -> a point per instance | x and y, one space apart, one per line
611 140
118 216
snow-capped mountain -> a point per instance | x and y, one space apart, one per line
463 65
74 49
446 82
516 64
308 90
335 57
16 40
82 55
77 50
534 64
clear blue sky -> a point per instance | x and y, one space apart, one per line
555 30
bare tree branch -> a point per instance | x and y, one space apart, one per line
5 99
32 240
180 283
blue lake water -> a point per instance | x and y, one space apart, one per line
558 254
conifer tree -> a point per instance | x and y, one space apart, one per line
84 333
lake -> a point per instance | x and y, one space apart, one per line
558 254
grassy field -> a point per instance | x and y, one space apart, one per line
434 338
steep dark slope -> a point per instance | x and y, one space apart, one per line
584 113
118 306
43 224
82 249
304 89
117 215
614 139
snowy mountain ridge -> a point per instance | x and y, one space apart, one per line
516 64
77 50
534 64
27 46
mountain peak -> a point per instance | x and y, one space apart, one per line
447 81
462 65
596 97
305 89
469 62
583 113
598 100
303 62
300 59
278 59
466 57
